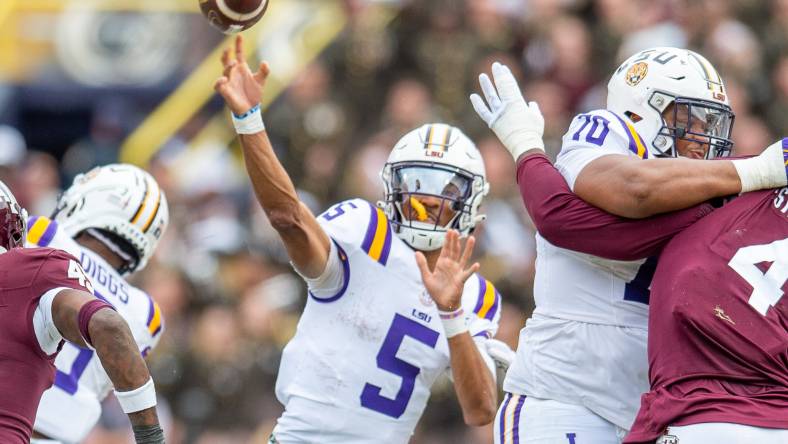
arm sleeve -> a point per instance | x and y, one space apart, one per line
332 280
47 333
567 221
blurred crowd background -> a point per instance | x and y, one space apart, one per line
77 79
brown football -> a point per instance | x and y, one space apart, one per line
231 16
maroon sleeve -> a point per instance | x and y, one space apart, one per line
567 221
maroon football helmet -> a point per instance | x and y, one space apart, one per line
13 221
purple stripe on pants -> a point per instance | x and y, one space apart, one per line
503 417
516 420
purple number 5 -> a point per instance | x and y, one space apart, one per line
387 360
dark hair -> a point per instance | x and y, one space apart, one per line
120 244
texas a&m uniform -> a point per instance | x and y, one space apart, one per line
718 343
71 408
29 281
369 344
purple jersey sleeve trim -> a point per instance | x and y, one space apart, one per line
345 277
785 153
636 143
567 221
377 240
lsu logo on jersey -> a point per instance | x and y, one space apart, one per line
437 139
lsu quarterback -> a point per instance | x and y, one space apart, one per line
581 364
380 323
111 219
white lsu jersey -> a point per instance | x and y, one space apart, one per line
71 407
363 359
586 341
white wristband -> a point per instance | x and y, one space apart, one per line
250 122
453 322
138 399
767 170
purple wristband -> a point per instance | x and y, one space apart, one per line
451 314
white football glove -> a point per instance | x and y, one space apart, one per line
517 124
500 352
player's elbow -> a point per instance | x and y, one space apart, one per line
285 218
553 229
480 417
641 189
480 414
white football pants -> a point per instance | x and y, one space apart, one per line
527 420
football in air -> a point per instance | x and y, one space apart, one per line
231 16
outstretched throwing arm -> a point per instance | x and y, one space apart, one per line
306 243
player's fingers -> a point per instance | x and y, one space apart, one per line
239 49
456 249
421 261
505 82
447 250
218 85
225 57
470 271
228 68
262 72
481 108
490 94
468 251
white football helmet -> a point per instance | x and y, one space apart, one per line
116 204
13 221
651 80
436 161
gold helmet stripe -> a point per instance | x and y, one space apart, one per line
142 204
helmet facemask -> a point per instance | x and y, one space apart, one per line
429 199
695 121
13 225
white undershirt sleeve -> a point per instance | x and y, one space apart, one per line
331 281
44 325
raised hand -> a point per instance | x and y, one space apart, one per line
445 283
519 125
239 86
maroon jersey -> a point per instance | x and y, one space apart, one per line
718 326
25 370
